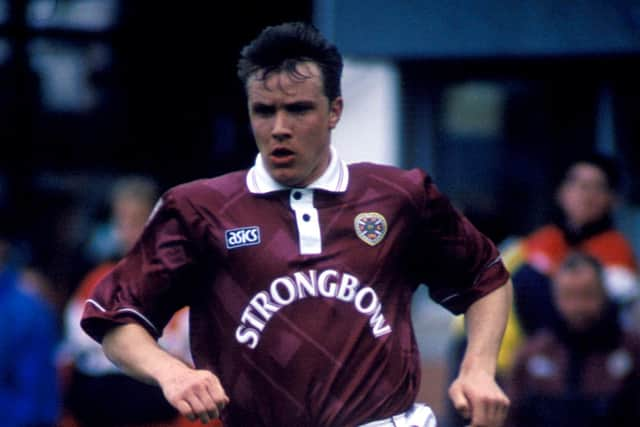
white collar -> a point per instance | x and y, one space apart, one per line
335 179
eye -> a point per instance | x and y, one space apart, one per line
299 108
263 110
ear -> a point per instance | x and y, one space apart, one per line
335 112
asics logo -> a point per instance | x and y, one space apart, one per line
245 236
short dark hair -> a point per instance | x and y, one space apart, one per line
578 259
282 47
607 164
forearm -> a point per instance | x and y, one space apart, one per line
195 393
136 352
486 321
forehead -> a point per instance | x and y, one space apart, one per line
583 278
587 172
304 82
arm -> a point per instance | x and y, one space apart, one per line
194 393
475 393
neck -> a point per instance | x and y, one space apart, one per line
576 233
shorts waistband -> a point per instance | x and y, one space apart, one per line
419 415
387 422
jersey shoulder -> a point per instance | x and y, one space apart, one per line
220 188
201 197
407 181
413 187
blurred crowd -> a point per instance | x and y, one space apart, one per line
571 354
51 372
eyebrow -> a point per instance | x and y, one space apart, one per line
287 105
300 104
261 105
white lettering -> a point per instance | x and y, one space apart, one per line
377 323
286 290
306 283
248 336
290 288
323 281
360 296
348 286
242 237
247 316
251 235
233 238
263 305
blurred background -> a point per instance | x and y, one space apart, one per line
92 89
492 97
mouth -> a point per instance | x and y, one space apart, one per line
281 156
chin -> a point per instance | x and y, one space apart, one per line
286 180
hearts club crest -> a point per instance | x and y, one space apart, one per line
371 227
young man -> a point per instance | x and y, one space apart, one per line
299 272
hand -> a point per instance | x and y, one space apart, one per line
477 397
196 394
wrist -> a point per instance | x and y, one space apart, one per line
474 363
165 368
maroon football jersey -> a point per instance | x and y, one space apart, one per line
300 298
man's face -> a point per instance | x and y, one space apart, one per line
579 297
585 195
292 121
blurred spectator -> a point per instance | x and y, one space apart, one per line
29 390
97 394
586 198
583 221
584 368
131 201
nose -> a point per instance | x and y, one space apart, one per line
281 128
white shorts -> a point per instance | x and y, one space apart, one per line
420 415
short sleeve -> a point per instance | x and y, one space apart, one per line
457 262
152 281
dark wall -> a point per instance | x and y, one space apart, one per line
165 102
169 97
461 28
